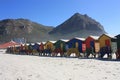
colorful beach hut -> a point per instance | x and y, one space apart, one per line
61 44
9 44
92 41
118 47
49 45
118 41
76 43
108 40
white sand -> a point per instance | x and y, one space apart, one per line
23 67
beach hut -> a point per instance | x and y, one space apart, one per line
49 45
92 41
61 44
118 47
108 40
76 43
105 40
9 44
118 41
83 47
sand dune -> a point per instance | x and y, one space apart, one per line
23 67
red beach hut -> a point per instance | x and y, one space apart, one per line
92 41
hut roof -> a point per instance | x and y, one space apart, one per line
25 44
65 40
112 36
51 41
109 35
117 35
94 37
9 44
82 39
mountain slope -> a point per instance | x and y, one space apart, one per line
78 25
19 28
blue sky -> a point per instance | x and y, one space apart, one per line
54 12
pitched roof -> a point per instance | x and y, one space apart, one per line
50 41
94 37
8 44
109 35
118 36
65 40
82 39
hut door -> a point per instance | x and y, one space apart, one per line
76 44
61 45
48 46
97 47
92 44
73 45
83 47
118 43
107 42
114 47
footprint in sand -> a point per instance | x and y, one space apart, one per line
29 75
75 68
108 71
117 68
114 74
37 76
0 73
19 78
70 79
76 64
104 77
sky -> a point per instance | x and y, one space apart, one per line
55 12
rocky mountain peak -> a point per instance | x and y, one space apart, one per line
78 22
78 25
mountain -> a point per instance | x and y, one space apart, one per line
23 28
78 26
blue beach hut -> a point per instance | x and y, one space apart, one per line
76 43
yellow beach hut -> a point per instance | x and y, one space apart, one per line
108 40
49 45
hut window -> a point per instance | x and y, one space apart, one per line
107 42
92 44
76 44
61 45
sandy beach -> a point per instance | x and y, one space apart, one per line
25 67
